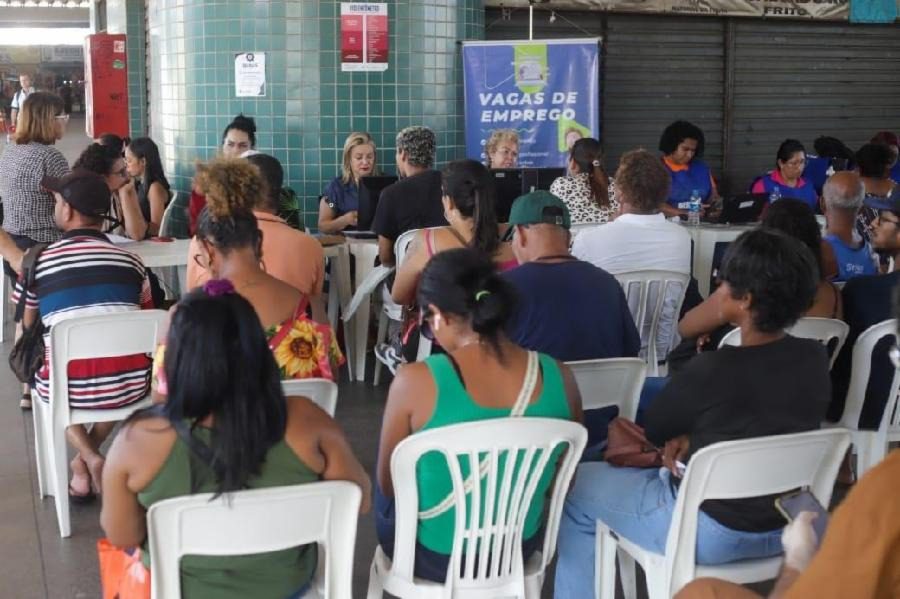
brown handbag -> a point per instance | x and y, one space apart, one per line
627 445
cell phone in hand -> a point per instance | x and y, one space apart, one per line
792 504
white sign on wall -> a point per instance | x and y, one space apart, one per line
250 74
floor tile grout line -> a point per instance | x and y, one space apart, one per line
32 477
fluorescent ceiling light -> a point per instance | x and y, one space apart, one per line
44 36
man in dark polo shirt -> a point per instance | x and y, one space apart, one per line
413 202
567 308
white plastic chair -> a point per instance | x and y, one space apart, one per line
390 310
728 470
610 382
654 299
827 331
257 521
109 335
172 207
870 446
499 572
322 392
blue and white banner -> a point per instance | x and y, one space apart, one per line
547 91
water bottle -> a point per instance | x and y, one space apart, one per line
775 195
694 209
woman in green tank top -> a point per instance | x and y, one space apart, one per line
225 426
465 306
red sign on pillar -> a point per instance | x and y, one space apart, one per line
364 36
105 85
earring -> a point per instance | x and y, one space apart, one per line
437 323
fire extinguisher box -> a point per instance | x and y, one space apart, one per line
105 85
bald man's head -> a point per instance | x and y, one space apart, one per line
844 190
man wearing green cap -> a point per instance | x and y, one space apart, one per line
567 308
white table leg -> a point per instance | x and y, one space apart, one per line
339 295
365 254
4 292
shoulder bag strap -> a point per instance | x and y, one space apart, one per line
199 451
29 266
518 409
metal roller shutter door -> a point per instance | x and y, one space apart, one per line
803 80
658 70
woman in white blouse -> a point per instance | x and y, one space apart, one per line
588 191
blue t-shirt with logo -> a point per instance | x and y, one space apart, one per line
852 262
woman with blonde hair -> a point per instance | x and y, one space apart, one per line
339 204
502 149
28 208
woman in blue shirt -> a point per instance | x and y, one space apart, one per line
340 202
787 177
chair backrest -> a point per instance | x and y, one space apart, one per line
174 221
860 372
322 392
496 520
654 299
256 521
748 468
402 245
610 382
104 336
830 332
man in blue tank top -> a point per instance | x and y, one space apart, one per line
843 194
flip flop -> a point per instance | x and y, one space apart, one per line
79 499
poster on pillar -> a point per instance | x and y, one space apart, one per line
250 74
547 91
364 36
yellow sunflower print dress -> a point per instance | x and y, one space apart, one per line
304 348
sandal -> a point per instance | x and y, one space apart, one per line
79 499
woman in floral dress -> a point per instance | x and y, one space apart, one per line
230 249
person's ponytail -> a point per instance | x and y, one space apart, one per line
465 282
469 185
588 155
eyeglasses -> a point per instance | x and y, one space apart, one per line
202 258
881 219
424 325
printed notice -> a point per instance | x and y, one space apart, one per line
250 75
364 36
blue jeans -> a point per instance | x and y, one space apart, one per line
637 504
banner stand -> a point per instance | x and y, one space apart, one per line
545 91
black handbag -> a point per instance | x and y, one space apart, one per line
27 355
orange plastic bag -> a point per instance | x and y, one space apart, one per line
122 575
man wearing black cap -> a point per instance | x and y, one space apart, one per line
84 274
867 301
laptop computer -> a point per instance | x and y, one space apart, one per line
743 208
370 189
508 185
541 178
